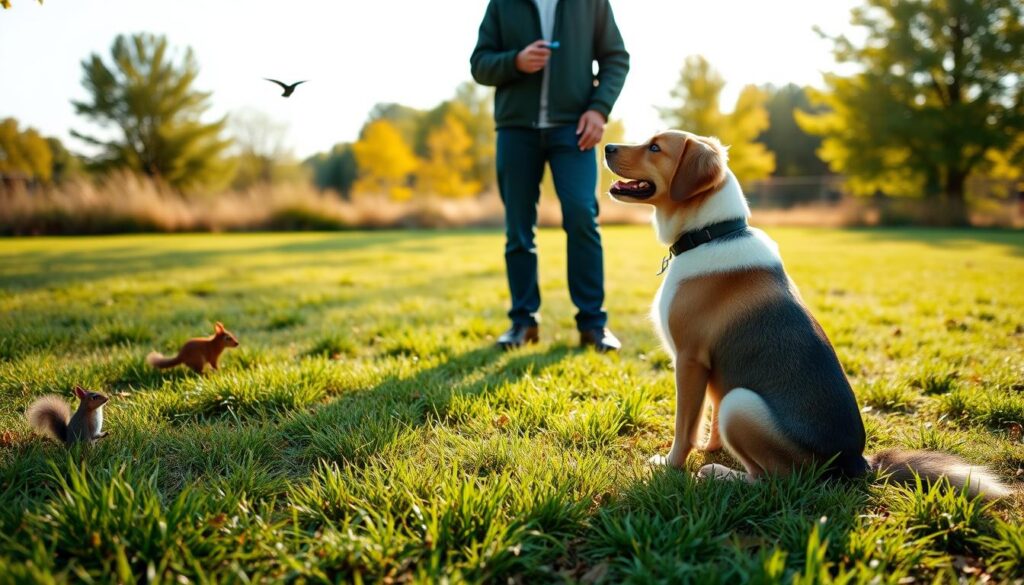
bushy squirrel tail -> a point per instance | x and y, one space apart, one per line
903 465
49 415
159 361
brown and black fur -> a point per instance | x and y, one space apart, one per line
778 350
744 341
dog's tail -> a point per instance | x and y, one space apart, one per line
159 361
902 466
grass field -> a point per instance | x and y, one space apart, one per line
366 430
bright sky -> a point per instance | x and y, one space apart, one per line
410 51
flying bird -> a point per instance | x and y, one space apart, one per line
288 89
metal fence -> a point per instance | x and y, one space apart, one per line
995 201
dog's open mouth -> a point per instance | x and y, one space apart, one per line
639 189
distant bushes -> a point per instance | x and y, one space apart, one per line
126 203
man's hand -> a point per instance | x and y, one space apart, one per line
534 57
590 129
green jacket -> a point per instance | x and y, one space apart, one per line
586 32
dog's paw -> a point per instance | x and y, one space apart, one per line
716 471
666 460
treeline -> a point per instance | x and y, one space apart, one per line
936 99
147 94
446 151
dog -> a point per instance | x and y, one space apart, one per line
742 338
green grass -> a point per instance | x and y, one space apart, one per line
366 430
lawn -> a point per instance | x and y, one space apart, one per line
367 430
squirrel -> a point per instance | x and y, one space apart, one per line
198 352
52 416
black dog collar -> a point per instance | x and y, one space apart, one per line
692 239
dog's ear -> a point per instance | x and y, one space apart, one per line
701 166
218 327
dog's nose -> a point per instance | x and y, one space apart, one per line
610 148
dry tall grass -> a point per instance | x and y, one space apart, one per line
123 202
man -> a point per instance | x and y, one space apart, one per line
550 108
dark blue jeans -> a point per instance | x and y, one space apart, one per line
521 155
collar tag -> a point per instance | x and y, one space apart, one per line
664 263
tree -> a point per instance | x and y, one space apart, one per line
150 101
65 164
939 90
385 161
471 106
261 146
748 159
795 150
406 120
336 169
699 93
449 163
24 152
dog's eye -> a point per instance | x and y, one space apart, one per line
654 148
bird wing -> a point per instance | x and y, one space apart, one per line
298 83
283 86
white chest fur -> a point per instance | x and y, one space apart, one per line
755 251
99 421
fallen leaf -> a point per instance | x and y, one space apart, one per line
501 421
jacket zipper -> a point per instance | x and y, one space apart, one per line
536 14
555 29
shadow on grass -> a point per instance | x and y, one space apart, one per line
947 238
668 526
43 268
358 425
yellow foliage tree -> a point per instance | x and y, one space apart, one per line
385 161
748 158
449 161
934 96
698 92
25 152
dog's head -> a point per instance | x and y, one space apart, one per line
673 168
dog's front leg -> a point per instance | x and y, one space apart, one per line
714 440
691 385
